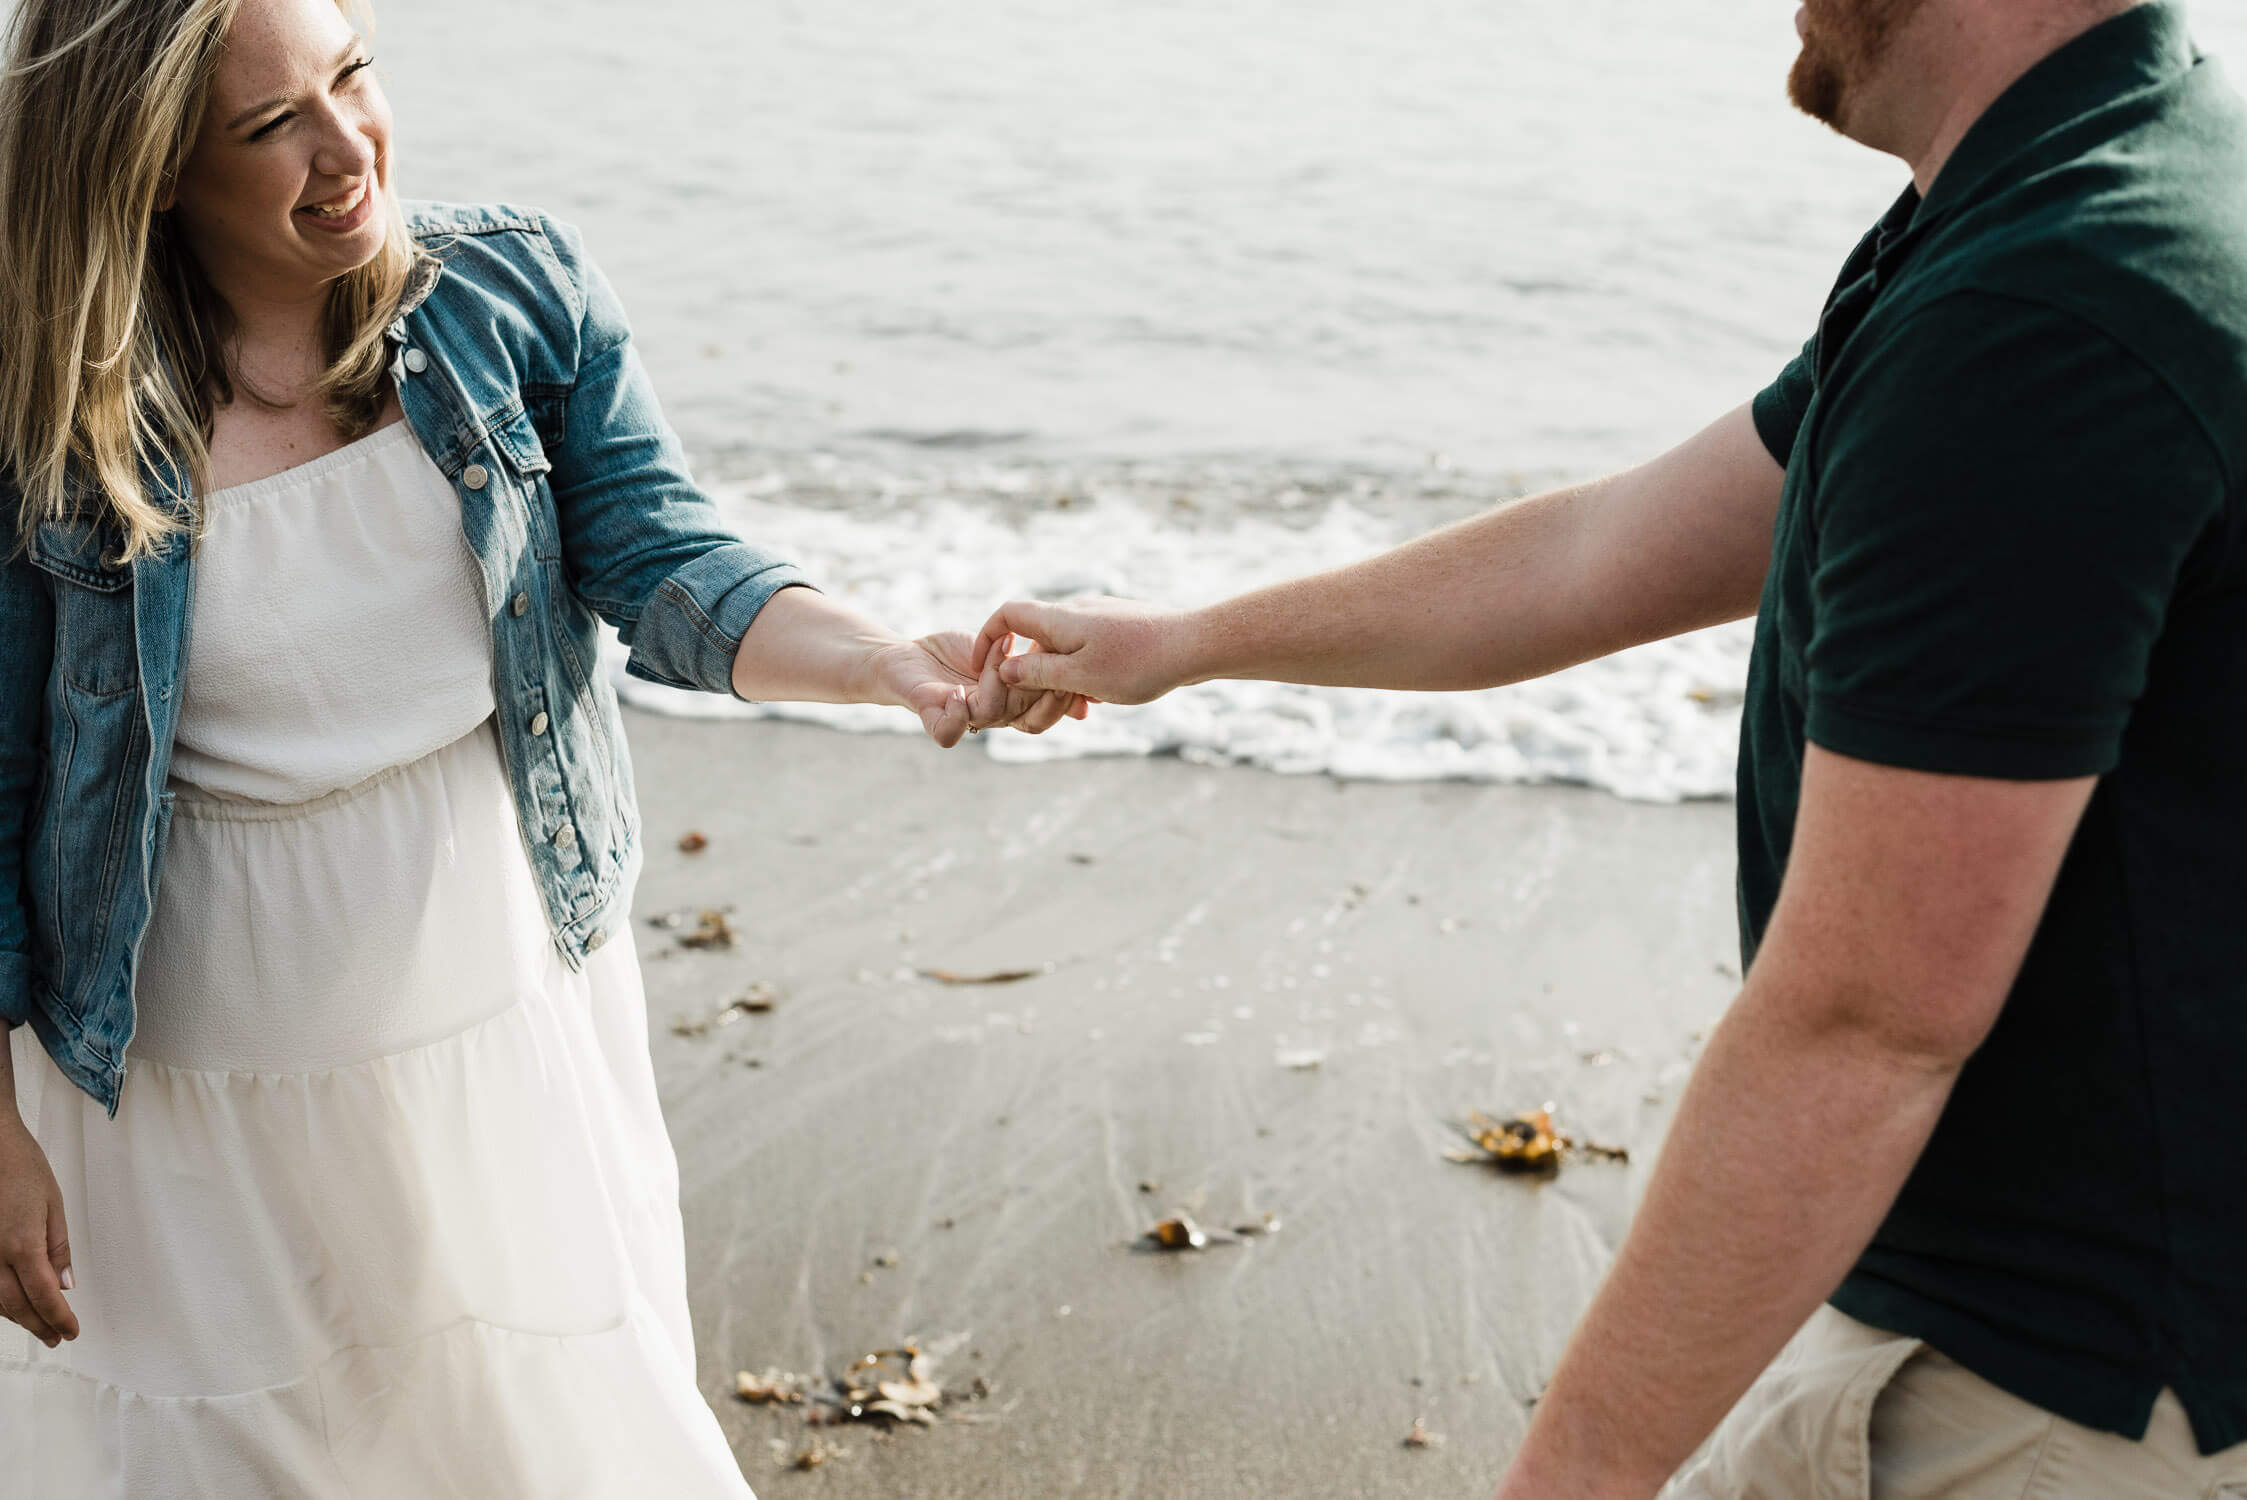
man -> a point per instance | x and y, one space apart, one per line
1984 1092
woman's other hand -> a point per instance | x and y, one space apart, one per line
34 1247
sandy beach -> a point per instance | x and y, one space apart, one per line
886 1156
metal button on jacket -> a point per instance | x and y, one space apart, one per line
520 605
538 722
416 361
566 835
594 939
475 476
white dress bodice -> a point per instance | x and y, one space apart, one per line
338 627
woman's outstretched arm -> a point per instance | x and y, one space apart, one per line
645 548
805 647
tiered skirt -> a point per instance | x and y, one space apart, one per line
387 1210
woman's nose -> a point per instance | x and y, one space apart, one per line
345 151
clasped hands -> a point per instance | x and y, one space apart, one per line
1078 653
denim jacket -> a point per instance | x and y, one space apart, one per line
516 369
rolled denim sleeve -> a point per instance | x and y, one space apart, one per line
645 547
27 643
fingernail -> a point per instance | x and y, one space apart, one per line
1009 673
67 1283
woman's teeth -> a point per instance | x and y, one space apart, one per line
337 210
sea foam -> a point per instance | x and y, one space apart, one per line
1657 723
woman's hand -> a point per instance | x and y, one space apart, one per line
808 648
935 678
34 1247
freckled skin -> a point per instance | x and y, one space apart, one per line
330 131
316 129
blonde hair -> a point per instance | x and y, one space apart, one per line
117 343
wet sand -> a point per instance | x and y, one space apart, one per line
1446 947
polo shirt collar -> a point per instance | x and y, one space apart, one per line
2143 47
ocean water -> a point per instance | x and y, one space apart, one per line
1173 297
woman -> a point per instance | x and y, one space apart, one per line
336 1167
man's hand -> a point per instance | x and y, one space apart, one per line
1107 650
937 679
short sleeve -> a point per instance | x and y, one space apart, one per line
2005 500
1779 406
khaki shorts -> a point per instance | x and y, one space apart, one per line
1851 1412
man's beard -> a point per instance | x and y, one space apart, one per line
1845 43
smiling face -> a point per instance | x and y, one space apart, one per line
1844 44
287 185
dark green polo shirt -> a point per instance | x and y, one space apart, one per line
2010 545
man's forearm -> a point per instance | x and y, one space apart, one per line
1491 599
1676 544
1671 546
1792 1142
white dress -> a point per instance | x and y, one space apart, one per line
387 1210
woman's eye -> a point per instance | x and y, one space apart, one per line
266 130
